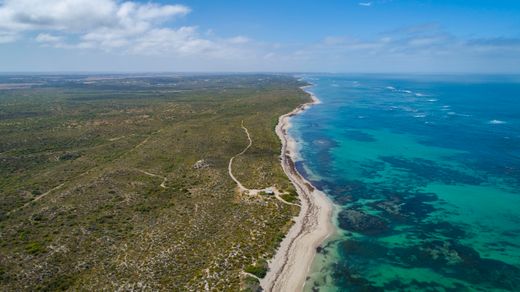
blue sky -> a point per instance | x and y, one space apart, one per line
206 35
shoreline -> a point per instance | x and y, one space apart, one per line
289 268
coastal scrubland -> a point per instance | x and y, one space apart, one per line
121 182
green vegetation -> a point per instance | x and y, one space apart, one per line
291 196
259 269
250 284
98 189
34 248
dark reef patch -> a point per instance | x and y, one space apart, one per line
349 277
348 191
442 228
418 205
405 207
426 171
371 169
448 258
456 260
367 248
359 136
358 221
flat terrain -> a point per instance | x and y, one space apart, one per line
121 182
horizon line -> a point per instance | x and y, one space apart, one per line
126 72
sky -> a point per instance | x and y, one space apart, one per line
367 36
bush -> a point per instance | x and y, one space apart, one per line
290 198
259 269
251 284
35 248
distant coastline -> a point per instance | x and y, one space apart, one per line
290 266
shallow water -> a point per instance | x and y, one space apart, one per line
426 171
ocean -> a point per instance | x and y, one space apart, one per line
425 174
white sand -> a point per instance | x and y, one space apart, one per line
289 268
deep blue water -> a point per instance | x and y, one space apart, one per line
426 173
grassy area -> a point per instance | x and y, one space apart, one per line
259 269
290 196
98 188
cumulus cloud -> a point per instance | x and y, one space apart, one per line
109 25
48 38
365 4
82 15
183 41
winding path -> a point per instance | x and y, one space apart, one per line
242 188
230 166
36 199
163 184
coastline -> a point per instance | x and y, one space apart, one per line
289 268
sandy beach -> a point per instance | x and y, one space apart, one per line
289 268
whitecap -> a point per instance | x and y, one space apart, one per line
432 100
408 109
497 122
390 87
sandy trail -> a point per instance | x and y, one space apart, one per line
289 268
241 187
230 165
277 195
163 184
36 198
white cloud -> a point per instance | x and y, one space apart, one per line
421 48
408 40
147 32
183 41
109 25
48 38
73 15
238 40
82 15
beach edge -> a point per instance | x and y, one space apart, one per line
289 268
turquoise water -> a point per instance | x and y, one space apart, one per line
426 173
